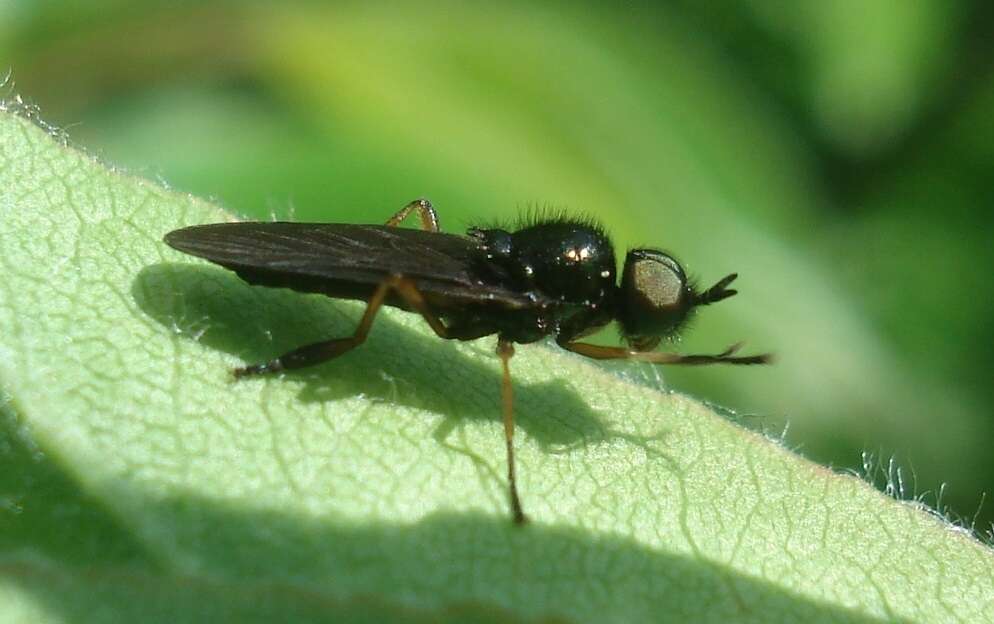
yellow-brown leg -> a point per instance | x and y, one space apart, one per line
505 350
427 214
600 352
318 352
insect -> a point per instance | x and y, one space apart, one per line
554 277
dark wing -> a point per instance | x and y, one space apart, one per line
347 260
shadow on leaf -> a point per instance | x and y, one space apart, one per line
215 308
227 563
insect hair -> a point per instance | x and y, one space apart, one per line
533 214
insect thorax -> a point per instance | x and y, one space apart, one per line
568 266
567 261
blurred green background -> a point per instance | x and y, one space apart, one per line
838 154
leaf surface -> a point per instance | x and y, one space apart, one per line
143 483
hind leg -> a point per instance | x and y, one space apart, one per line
426 212
312 354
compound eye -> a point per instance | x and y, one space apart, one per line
658 279
657 298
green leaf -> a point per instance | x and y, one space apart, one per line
144 484
639 117
868 69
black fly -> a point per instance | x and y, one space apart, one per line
553 277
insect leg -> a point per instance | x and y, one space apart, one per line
427 214
318 352
599 352
505 350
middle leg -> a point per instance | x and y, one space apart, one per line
505 350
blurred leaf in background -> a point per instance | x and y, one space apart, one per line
837 154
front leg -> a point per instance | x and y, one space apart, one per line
599 352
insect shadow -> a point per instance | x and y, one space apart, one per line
396 365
